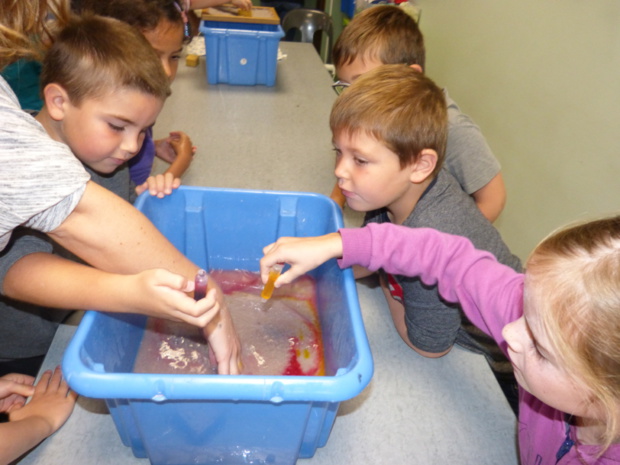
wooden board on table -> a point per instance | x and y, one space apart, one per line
233 14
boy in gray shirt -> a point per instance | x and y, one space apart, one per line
389 131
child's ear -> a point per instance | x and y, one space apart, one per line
56 99
424 166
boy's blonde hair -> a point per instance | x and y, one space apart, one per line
385 32
398 106
573 277
94 55
25 28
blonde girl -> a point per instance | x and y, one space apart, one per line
559 323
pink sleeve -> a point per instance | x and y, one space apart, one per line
490 293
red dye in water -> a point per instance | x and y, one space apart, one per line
281 336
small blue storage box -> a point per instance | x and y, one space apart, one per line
218 419
241 53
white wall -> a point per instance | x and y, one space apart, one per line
542 80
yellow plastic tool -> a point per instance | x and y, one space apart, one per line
275 271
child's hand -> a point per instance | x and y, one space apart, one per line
159 185
224 345
52 402
243 4
15 388
181 143
164 150
179 151
162 294
176 143
303 254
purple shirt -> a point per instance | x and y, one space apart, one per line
141 165
491 295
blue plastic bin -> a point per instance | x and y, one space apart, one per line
213 419
241 53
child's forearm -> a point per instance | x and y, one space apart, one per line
18 437
51 281
112 235
180 164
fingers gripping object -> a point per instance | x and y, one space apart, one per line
200 285
275 271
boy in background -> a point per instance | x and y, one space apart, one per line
164 25
100 97
386 34
389 133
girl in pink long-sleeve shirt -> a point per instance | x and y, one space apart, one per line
559 323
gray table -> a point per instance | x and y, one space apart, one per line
415 410
257 137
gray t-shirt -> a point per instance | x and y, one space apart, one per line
434 325
41 181
28 330
468 156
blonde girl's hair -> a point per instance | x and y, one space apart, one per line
397 106
26 29
93 56
383 32
574 278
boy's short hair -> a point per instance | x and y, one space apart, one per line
398 106
385 32
94 55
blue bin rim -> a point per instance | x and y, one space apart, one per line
145 196
346 384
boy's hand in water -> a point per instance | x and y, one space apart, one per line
224 345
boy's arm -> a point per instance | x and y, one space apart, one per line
113 236
491 198
471 161
51 281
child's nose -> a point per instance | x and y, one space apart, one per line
513 334
340 170
132 145
167 68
